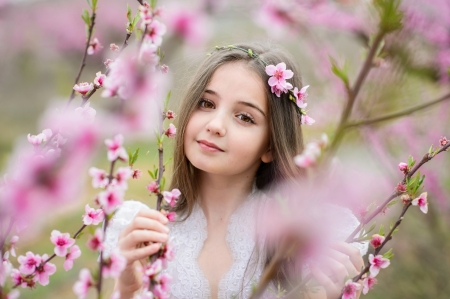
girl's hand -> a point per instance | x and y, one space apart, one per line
341 262
149 227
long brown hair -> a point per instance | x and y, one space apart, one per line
286 138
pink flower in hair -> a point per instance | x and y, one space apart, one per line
278 74
155 31
43 272
171 197
94 47
350 290
377 240
422 202
278 89
83 88
80 288
110 199
92 216
74 253
95 243
62 242
377 262
99 177
306 120
171 131
368 284
114 265
300 96
115 148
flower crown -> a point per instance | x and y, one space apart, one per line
278 84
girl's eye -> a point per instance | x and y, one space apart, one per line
204 103
246 118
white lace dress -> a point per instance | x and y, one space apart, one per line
188 238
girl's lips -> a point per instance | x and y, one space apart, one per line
208 146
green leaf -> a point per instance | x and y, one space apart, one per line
390 15
94 5
153 4
156 173
151 174
388 254
86 18
340 72
430 150
393 202
129 13
163 183
381 231
371 228
134 157
136 18
79 235
166 101
89 3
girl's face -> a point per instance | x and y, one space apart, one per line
228 133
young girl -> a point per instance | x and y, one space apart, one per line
236 138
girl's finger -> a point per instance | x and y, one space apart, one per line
352 252
343 259
339 270
140 253
329 286
150 215
139 236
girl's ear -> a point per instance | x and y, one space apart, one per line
267 156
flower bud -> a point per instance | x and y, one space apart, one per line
377 240
403 167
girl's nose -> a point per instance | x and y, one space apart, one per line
216 126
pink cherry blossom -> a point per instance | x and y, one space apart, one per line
92 216
153 187
300 96
114 265
94 47
170 114
172 196
443 141
81 287
83 88
107 62
115 148
305 160
172 216
403 167
5 269
164 68
307 120
95 243
401 187
161 289
154 268
171 131
155 32
42 137
278 74
29 263
99 79
377 240
377 262
145 13
113 47
73 254
110 199
14 294
62 242
148 54
87 113
278 89
99 177
122 175
17 279
168 252
350 289
422 202
43 272
190 25
136 174
12 244
368 284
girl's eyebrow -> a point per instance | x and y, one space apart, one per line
240 102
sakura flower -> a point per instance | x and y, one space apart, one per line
62 242
162 290
107 62
155 31
148 54
278 89
17 279
113 47
422 202
12 244
172 196
153 187
172 216
115 149
74 253
96 242
306 120
403 167
164 68
377 262
44 271
92 216
29 263
170 114
80 288
114 265
145 13
278 74
99 79
400 187
300 96
190 25
377 240
87 113
99 177
443 141
42 137
154 269
168 252
122 175
83 88
350 289
5 269
14 294
110 199
171 131
136 174
405 199
94 47
368 284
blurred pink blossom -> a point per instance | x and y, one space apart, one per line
114 265
170 114
350 290
115 148
307 120
443 141
14 294
171 197
368 284
92 216
403 167
13 243
136 174
40 138
172 216
113 47
155 32
73 254
85 281
148 54
99 78
122 175
87 113
99 177
300 96
62 242
153 187
110 199
95 243
94 47
17 279
171 131
44 271
83 88
164 68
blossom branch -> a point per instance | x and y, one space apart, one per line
160 166
397 114
83 62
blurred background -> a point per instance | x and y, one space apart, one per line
42 44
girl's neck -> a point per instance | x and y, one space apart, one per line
220 196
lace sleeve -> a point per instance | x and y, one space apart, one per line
124 215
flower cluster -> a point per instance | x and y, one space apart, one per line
308 158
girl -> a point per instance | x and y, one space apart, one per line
236 138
